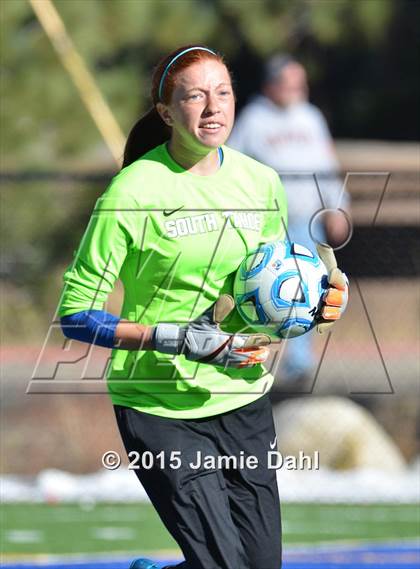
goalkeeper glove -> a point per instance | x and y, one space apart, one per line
336 297
203 341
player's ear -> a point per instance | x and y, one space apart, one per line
165 113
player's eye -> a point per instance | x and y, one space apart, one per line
194 96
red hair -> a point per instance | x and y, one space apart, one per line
150 130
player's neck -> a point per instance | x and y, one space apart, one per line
195 162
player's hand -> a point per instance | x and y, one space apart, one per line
336 297
203 341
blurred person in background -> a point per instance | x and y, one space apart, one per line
280 128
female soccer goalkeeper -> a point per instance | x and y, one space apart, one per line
186 379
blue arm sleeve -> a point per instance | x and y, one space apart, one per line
92 326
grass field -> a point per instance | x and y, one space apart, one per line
89 528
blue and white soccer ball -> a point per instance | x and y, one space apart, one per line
278 289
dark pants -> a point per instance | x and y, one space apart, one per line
222 518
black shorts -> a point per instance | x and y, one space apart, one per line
210 483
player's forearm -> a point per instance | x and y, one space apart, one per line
107 330
133 336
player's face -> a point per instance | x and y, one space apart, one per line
202 107
291 87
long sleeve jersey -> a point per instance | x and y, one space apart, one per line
176 239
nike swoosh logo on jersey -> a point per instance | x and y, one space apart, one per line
274 443
167 212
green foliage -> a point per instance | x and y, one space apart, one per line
374 17
42 223
260 25
42 116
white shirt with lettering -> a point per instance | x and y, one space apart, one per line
296 142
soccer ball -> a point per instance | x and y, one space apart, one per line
278 289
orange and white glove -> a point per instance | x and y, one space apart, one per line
202 340
336 297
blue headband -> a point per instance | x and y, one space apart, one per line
165 73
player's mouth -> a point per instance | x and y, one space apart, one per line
212 127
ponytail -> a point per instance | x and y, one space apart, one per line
147 133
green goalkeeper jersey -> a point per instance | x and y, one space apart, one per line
175 239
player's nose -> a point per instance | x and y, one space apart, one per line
212 106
